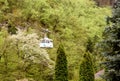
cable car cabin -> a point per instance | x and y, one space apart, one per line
46 43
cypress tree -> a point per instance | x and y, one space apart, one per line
61 71
86 68
111 45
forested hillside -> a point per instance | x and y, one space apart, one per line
72 22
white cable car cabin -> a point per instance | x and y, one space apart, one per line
46 43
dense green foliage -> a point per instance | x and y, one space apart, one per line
90 46
70 21
86 68
21 58
111 45
61 71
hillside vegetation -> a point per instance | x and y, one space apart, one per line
71 22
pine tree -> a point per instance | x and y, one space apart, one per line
61 72
86 68
111 45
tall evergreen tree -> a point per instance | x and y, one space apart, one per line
61 71
86 72
111 45
86 68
